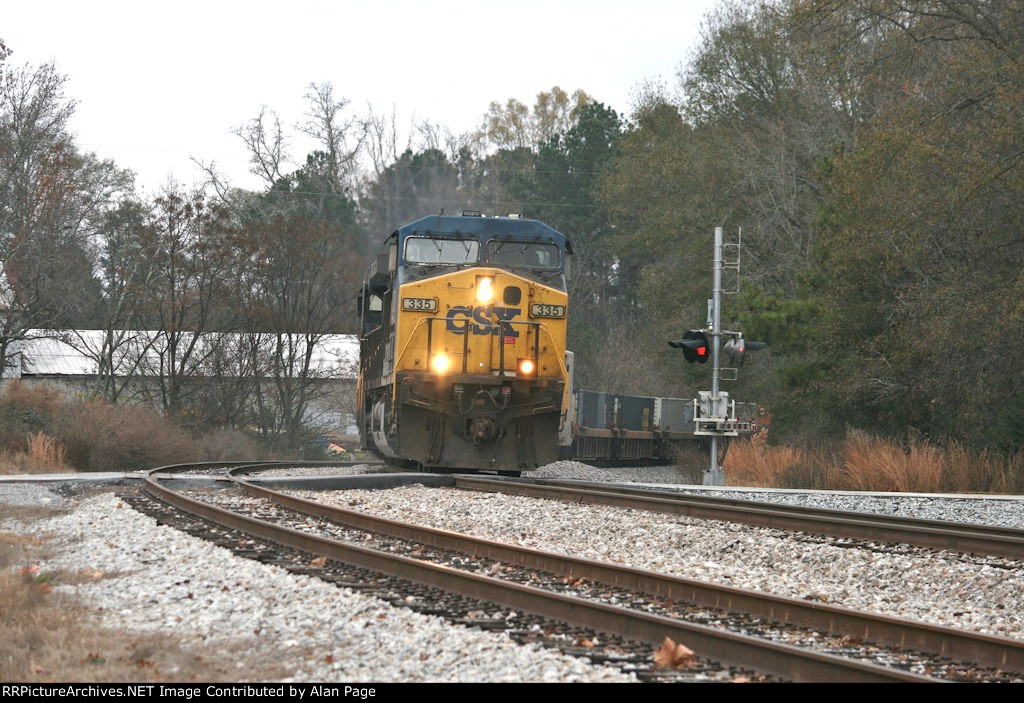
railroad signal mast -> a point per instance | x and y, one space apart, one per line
714 415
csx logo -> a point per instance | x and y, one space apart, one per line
488 318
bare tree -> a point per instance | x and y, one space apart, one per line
127 269
300 278
51 200
341 137
267 146
384 143
297 257
188 239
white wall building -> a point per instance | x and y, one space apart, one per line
71 361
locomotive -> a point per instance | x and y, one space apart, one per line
462 345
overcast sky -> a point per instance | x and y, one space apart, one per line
158 83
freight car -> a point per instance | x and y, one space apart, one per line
610 429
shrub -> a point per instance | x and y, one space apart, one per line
104 437
42 431
230 444
25 410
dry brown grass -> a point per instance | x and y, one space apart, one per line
872 464
24 463
45 449
866 463
747 464
51 636
44 455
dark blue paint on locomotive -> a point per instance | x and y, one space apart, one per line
483 229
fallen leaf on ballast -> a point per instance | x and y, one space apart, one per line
585 643
574 580
319 561
673 655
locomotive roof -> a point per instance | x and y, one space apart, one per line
482 228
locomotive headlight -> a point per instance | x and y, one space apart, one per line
484 289
440 363
526 367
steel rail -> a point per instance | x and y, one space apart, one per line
934 534
974 528
727 647
879 629
265 464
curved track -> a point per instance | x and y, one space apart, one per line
934 534
766 656
881 629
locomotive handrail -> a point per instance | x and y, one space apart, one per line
554 344
412 334
567 391
394 364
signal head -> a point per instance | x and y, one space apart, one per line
736 347
694 345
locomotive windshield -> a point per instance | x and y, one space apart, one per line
529 254
424 250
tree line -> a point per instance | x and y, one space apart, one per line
870 150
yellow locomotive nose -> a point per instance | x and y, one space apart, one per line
463 325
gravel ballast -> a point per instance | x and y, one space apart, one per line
995 512
160 579
325 471
977 593
998 511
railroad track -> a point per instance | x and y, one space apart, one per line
633 624
934 534
405 582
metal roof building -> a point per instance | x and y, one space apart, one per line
76 353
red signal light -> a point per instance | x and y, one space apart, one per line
736 347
